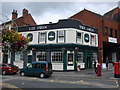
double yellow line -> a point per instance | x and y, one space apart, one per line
7 85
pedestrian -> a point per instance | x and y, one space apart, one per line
95 67
78 68
107 63
96 70
95 64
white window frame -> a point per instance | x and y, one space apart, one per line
42 58
79 40
58 58
93 42
80 59
61 36
42 38
18 56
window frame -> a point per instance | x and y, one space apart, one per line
42 38
20 58
61 36
40 56
106 31
91 41
58 57
111 32
81 60
78 39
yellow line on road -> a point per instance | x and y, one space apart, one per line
11 86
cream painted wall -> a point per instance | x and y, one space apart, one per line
70 36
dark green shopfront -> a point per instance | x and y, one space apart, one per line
64 56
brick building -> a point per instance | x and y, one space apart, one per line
25 20
108 32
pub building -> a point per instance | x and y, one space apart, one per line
67 44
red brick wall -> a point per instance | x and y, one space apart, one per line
95 20
29 20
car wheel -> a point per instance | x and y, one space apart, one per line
22 74
42 75
3 72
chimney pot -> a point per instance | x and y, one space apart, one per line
25 12
14 14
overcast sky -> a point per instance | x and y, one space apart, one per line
45 12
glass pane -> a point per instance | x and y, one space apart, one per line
43 65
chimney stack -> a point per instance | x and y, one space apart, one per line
25 12
14 14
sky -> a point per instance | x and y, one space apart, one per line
45 12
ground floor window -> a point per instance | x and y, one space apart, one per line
57 56
41 56
80 57
18 56
94 56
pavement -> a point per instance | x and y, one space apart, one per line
87 73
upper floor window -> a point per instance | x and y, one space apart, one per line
106 31
79 37
30 36
93 40
42 37
115 33
61 36
111 32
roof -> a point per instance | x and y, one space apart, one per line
111 11
12 20
88 11
20 19
64 23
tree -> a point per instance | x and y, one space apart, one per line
13 41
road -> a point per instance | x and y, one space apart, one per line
16 81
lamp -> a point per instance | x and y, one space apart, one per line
63 49
76 49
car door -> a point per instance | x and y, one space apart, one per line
29 69
1 68
36 69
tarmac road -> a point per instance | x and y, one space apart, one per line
62 80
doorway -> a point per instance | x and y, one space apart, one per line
88 63
70 61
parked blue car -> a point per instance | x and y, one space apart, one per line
41 69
